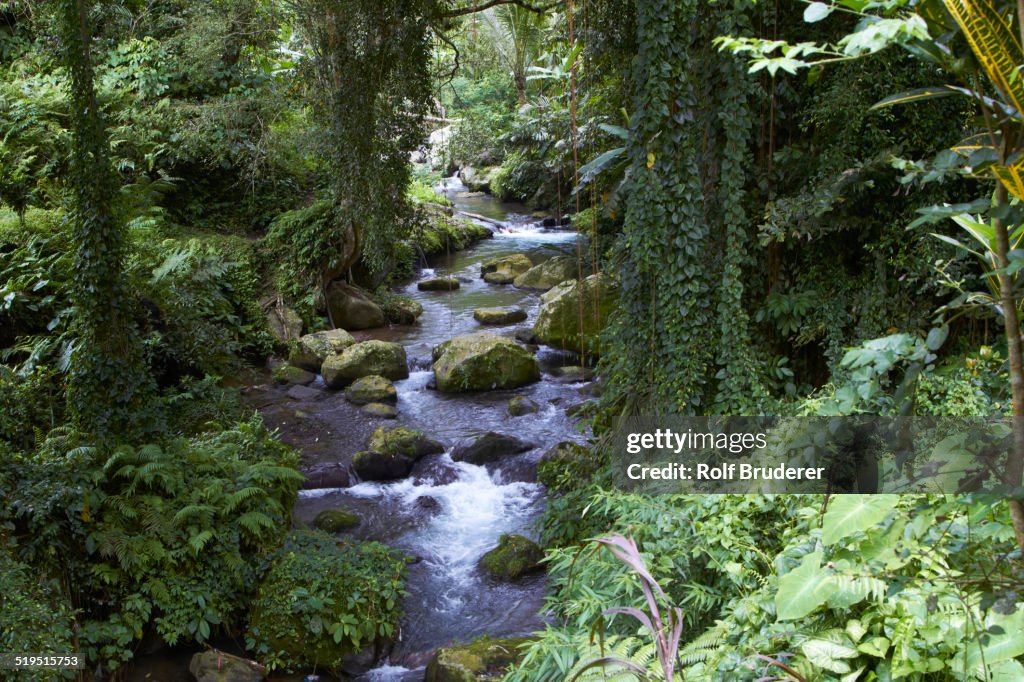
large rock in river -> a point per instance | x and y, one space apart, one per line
392 453
310 351
499 316
364 359
481 659
514 557
548 274
489 447
504 269
351 308
217 666
558 322
371 389
483 361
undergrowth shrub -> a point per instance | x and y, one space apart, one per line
167 537
323 599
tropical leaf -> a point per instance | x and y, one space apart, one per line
848 514
803 589
994 44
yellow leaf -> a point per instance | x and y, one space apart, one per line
995 44
650 159
1011 176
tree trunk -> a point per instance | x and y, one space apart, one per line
1015 463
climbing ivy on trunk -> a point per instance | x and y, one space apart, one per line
680 341
108 384
370 85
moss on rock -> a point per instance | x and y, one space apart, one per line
335 520
548 274
483 659
364 359
504 269
310 351
558 322
501 315
287 374
481 362
371 389
514 557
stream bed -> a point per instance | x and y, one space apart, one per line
446 514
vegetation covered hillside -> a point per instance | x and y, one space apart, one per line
239 237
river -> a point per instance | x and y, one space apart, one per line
471 506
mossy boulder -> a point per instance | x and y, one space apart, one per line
371 389
438 284
391 453
573 373
504 269
548 274
520 405
351 308
481 362
380 410
217 666
287 374
401 310
483 659
558 322
310 351
514 557
478 179
364 359
335 520
502 315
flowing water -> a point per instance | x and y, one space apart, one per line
446 514
470 506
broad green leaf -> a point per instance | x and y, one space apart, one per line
998 648
816 11
829 655
803 589
916 96
848 514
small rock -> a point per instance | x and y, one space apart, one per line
326 475
217 666
489 448
428 503
514 557
286 374
304 393
502 315
380 410
371 389
520 405
438 284
335 520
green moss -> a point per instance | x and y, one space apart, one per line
335 520
514 557
287 374
404 442
484 658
